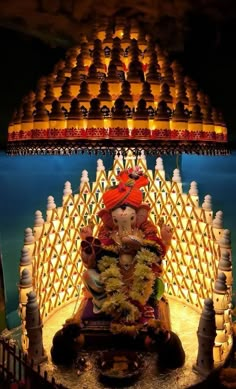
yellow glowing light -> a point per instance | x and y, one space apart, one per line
188 269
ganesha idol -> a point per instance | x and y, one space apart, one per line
123 286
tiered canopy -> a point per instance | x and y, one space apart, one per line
117 89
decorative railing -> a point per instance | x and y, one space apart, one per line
16 371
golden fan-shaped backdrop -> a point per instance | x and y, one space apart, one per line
118 88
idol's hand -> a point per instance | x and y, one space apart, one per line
88 259
166 234
85 232
131 243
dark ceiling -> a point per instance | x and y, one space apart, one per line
200 33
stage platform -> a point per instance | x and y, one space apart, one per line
184 322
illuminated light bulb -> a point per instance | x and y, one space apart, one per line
31 98
119 125
66 96
104 95
80 66
161 55
223 138
195 126
74 82
27 121
92 36
115 59
84 96
218 127
126 94
59 81
49 96
165 95
75 121
192 95
17 122
41 122
70 63
178 73
99 61
169 79
113 81
125 43
85 53
161 126
208 124
93 81
146 94
141 121
134 76
181 93
11 133
119 27
95 121
57 121
101 30
150 55
40 88
58 66
201 97
108 41
179 122
134 29
142 43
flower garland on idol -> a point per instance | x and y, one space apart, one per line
123 303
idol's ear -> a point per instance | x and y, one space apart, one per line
106 217
142 214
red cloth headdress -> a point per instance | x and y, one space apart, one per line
127 191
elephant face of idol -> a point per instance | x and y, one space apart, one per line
124 219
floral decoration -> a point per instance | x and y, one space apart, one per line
123 303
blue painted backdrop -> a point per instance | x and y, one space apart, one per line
27 181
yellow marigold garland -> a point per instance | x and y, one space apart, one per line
120 301
106 262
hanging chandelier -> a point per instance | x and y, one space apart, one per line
117 90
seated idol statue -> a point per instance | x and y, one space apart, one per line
124 265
